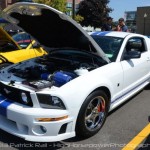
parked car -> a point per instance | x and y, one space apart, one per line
71 90
23 39
11 52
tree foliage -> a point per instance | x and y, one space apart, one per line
78 18
57 4
93 12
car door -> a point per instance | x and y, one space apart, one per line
136 70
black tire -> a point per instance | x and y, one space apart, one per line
2 66
92 114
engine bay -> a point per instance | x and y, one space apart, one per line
56 69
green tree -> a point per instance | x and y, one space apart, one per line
78 18
57 4
93 12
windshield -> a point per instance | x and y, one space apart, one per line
23 39
110 45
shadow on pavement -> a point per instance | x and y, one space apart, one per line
147 87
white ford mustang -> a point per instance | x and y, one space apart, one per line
71 90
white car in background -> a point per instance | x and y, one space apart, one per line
71 90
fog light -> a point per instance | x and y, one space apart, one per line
43 129
39 130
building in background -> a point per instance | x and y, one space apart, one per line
5 3
2 4
70 6
139 21
130 17
143 20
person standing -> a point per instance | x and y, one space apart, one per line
107 26
121 26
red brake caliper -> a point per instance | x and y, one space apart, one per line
101 107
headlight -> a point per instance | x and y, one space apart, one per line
24 98
51 102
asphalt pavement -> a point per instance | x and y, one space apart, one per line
121 126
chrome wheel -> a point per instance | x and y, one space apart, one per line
92 114
95 113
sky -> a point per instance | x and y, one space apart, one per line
120 6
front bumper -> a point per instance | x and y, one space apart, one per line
21 121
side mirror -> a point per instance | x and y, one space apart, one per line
132 55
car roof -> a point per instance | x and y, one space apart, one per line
112 33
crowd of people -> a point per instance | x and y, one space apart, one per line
108 26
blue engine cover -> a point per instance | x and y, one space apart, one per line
61 78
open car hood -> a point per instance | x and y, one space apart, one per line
6 38
52 28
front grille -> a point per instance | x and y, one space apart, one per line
14 94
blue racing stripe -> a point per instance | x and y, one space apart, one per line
104 33
4 103
96 33
101 33
129 91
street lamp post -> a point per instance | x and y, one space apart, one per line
145 15
73 9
